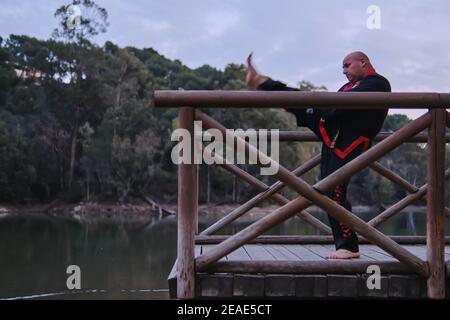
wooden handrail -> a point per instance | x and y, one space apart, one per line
301 136
293 99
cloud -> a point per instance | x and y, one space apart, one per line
155 26
219 23
292 40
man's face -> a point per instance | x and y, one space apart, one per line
353 68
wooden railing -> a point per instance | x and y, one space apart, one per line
432 193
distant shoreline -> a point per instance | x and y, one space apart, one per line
143 211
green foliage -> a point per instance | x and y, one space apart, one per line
305 85
76 121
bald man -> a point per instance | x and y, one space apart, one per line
345 133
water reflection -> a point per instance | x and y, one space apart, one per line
118 260
113 257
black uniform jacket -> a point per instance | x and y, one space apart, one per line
342 130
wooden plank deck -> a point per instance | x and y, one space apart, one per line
233 279
311 252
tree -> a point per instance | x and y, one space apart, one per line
80 20
76 120
305 85
125 149
78 66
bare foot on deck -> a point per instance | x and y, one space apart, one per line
343 254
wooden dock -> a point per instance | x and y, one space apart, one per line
296 271
238 267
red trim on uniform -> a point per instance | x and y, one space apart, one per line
337 197
343 154
348 87
370 72
352 146
323 132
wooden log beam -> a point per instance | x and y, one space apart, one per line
261 186
402 204
155 205
436 198
448 120
187 214
283 99
308 267
266 192
392 176
288 239
397 207
418 138
311 195
358 225
303 136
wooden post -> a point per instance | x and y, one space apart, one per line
435 199
208 184
187 214
448 120
195 186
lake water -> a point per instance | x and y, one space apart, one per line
117 260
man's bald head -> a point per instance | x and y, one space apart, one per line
357 55
355 66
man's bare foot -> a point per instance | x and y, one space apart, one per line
343 254
253 78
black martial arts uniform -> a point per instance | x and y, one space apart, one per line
345 134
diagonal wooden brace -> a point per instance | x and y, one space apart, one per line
392 176
266 191
319 199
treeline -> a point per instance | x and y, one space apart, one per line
77 122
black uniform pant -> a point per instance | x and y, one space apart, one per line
344 237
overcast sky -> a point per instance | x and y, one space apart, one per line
291 40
